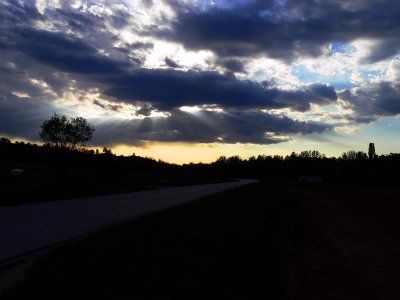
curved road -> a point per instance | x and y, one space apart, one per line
27 228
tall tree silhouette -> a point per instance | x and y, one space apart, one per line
371 151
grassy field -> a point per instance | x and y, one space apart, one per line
227 246
347 243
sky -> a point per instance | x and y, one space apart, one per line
190 80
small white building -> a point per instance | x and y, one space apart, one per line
17 172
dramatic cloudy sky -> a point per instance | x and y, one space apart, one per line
189 80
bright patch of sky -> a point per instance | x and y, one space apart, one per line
384 133
271 70
155 58
342 49
340 67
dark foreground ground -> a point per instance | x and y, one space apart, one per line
348 244
267 240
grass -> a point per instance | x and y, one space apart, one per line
228 246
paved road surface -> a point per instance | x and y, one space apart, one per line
30 227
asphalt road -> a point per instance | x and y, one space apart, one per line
28 228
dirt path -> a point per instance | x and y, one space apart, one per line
348 245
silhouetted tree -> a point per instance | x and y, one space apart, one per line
59 131
79 131
354 155
234 160
107 151
371 151
54 131
221 159
3 140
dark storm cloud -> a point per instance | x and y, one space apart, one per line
168 89
14 13
77 21
17 72
382 50
232 65
300 100
291 29
369 103
75 37
210 127
95 30
171 63
322 93
65 54
141 45
22 117
145 110
45 64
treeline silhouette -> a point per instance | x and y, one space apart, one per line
19 153
351 166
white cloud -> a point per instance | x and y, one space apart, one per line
393 73
20 94
344 66
273 71
157 14
155 58
356 77
42 5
